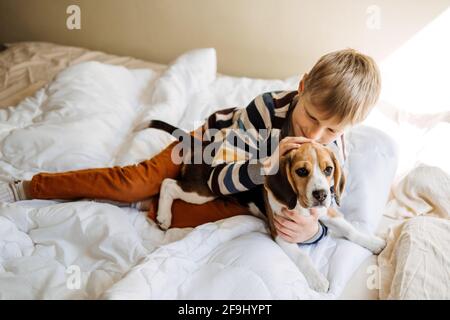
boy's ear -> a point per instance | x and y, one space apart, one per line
301 86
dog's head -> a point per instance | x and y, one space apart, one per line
308 175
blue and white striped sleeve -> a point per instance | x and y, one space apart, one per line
229 178
243 175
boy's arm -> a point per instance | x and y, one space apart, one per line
258 114
229 178
321 233
243 174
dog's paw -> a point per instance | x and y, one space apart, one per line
163 224
377 245
164 220
319 284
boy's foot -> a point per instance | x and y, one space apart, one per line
12 191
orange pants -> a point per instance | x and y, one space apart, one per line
130 184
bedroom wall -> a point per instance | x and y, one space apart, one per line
258 38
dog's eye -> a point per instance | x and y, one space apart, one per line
328 170
302 172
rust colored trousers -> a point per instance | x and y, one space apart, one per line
131 184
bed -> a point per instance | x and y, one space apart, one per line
67 108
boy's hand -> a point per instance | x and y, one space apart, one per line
285 145
295 228
289 143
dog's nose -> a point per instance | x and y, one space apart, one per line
320 195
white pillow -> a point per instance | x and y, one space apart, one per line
188 74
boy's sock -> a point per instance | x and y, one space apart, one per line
144 205
12 191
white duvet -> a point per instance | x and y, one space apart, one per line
94 115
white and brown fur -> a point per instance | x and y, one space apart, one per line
303 181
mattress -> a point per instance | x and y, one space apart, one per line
88 114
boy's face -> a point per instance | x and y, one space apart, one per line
309 122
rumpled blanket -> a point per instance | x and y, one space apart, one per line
416 262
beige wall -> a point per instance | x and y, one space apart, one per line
261 38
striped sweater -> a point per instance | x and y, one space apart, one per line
242 139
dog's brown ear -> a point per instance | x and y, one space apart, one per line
280 184
339 179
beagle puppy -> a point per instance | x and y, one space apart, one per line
307 177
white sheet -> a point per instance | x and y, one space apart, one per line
85 119
415 263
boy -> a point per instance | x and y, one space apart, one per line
338 92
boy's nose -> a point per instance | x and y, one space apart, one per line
314 134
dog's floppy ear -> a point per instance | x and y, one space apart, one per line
280 184
339 179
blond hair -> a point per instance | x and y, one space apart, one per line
345 84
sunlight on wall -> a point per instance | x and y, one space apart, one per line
416 76
414 105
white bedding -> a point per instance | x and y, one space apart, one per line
415 263
94 115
